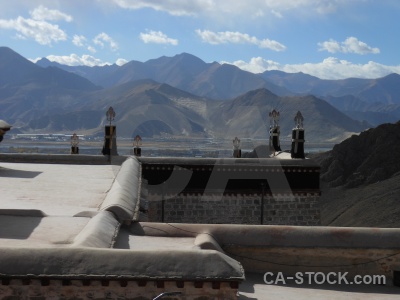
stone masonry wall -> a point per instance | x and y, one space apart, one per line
215 208
36 289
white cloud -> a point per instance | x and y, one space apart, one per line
76 60
276 14
102 38
228 8
157 37
329 68
226 37
41 31
350 45
121 61
37 27
84 60
79 40
173 7
91 49
42 13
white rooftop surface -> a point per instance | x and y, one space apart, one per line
55 189
151 243
62 191
37 232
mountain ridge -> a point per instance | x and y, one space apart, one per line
28 91
213 80
40 102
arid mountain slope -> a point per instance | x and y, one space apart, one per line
360 180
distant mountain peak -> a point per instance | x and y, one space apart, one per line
182 58
264 91
44 63
9 57
44 60
14 67
393 77
8 51
186 55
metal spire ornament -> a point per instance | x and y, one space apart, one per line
274 132
298 120
110 114
236 143
297 149
274 118
137 142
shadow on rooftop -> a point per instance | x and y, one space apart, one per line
4 172
17 226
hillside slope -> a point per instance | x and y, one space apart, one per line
374 205
360 180
363 159
249 113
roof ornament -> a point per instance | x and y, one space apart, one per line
297 149
74 144
236 143
274 132
110 114
274 118
137 142
74 140
298 120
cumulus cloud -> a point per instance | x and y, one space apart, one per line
226 37
43 13
173 7
329 68
121 61
42 32
157 37
223 8
91 49
350 45
79 40
76 60
37 27
102 38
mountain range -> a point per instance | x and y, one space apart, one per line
183 71
372 100
182 95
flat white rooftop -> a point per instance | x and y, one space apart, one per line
61 191
55 189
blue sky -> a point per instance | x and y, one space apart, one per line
330 39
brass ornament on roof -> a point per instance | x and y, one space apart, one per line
137 142
298 120
74 140
274 118
236 143
110 114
